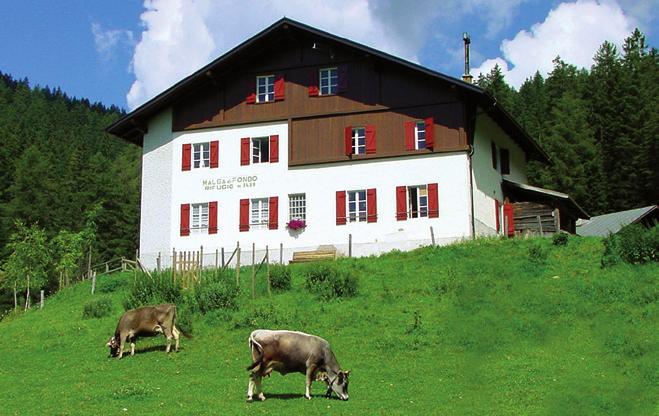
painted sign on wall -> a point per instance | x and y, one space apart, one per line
230 182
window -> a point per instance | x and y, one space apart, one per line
259 213
420 135
494 155
201 155
417 201
265 88
260 149
297 207
329 81
504 156
358 141
357 206
199 217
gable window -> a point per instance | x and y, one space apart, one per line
357 206
358 141
420 135
260 149
417 201
199 217
329 81
265 88
297 207
504 158
259 213
201 155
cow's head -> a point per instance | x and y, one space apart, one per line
113 343
338 384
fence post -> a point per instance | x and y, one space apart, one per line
222 256
107 267
123 264
158 262
201 258
267 269
281 253
93 282
137 254
432 235
349 245
217 257
41 300
173 265
238 264
539 224
89 262
253 269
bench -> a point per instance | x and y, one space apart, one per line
316 255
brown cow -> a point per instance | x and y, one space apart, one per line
146 321
294 352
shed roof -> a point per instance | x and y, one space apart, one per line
546 194
611 223
131 127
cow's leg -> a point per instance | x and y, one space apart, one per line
177 335
132 346
168 334
254 385
259 389
122 342
311 373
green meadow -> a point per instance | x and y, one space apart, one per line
488 327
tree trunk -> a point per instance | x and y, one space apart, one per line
15 297
27 294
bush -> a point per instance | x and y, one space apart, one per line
633 244
97 308
215 295
264 314
328 281
280 277
537 254
145 290
110 284
560 239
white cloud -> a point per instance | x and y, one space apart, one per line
572 30
107 41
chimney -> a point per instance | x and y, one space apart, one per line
466 77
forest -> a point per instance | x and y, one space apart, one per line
68 188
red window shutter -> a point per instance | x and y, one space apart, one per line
348 140
274 148
215 154
212 217
185 220
370 139
244 151
343 77
273 213
250 85
510 219
401 203
280 84
430 132
244 215
186 160
340 207
433 201
371 205
410 142
314 82
496 215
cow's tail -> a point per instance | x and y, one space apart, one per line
255 346
184 333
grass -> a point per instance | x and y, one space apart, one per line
485 327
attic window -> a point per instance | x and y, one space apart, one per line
504 157
329 81
265 88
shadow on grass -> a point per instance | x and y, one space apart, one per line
152 348
292 396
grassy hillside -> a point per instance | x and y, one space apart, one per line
486 327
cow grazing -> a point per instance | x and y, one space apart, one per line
294 352
146 321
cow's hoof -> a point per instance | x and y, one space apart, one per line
261 397
307 397
249 399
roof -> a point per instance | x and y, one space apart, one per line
547 194
131 126
603 225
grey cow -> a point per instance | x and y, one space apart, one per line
294 352
146 321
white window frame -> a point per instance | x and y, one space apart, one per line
259 211
419 130
201 155
354 200
260 149
199 217
328 81
265 88
415 197
297 207
358 140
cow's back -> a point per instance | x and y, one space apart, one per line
144 319
290 347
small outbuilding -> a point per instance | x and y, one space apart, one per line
603 225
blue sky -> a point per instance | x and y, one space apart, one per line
124 53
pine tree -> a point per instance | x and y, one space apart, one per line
496 85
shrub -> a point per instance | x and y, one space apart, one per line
145 290
633 244
97 308
110 284
537 254
328 281
215 295
280 277
264 314
560 239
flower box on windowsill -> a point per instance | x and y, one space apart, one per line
296 225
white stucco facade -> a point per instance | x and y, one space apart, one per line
166 186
